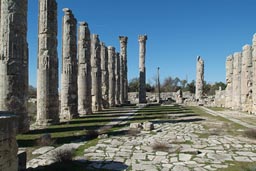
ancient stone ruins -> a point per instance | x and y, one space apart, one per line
240 78
93 76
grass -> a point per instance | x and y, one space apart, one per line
240 166
80 150
217 108
223 124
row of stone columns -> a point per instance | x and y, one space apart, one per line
241 79
91 74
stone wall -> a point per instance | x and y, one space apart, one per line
8 144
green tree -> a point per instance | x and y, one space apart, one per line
133 85
31 92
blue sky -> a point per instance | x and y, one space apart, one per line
178 31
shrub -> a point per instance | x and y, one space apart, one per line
251 133
63 155
160 146
45 140
91 134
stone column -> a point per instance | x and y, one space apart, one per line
69 67
8 144
246 79
117 74
84 70
104 75
142 69
112 78
14 60
96 73
121 94
229 82
254 74
47 66
124 69
237 81
199 78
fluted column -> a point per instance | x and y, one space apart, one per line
124 69
84 70
14 60
117 74
246 79
104 76
254 74
69 67
47 66
142 69
96 73
229 82
237 81
112 78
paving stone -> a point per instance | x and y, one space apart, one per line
180 168
42 150
246 153
139 156
184 157
167 165
242 159
161 153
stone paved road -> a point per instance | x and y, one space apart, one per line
186 150
188 145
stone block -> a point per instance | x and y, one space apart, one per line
22 160
148 126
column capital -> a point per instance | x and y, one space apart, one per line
143 38
111 48
123 39
83 23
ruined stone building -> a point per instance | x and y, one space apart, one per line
241 79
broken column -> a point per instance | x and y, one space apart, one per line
112 78
199 78
104 75
47 67
8 144
246 79
69 67
14 60
237 81
117 74
254 74
142 69
84 70
96 73
124 69
229 81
